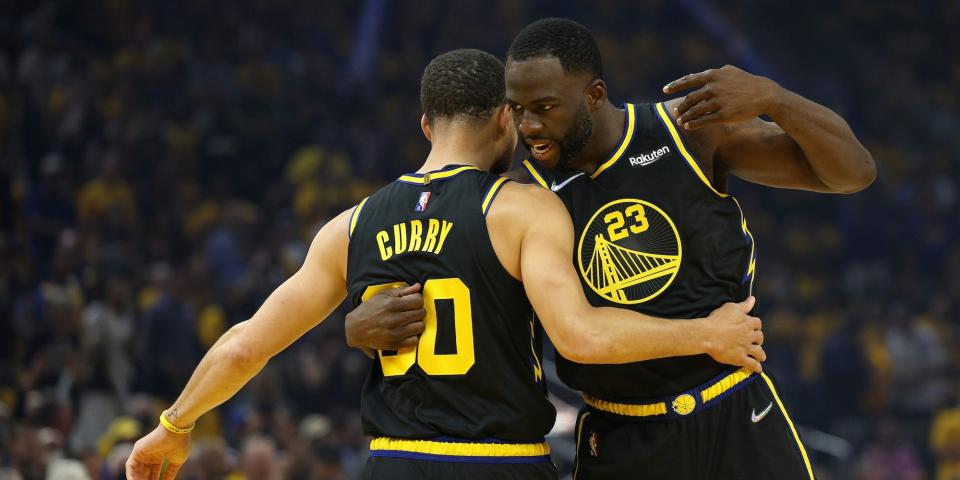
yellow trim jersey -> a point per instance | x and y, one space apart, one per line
652 235
475 377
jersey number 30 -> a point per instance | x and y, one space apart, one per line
424 354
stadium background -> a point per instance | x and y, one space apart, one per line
163 166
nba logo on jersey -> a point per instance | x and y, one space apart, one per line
422 203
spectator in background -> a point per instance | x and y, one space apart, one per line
65 469
844 373
945 439
166 362
888 457
260 461
107 370
107 200
919 362
48 211
116 119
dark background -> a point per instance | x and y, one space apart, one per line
163 166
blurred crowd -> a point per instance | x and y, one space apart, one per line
164 165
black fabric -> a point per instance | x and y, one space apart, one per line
627 223
388 468
500 396
719 443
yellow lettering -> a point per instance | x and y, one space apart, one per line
446 364
432 229
385 251
447 226
425 352
615 230
400 238
416 230
638 214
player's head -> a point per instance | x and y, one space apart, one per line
465 88
554 86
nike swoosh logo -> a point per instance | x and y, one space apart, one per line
754 417
554 186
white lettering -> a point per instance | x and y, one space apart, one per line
648 158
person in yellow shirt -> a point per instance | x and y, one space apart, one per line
945 442
107 195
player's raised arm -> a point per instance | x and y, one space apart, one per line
536 219
296 306
807 146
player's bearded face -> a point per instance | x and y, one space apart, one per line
575 138
570 144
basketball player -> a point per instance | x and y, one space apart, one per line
656 232
468 401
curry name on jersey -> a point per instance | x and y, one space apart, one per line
652 235
476 372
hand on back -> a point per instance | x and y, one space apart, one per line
734 337
389 320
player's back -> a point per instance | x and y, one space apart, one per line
475 373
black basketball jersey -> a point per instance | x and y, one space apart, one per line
654 236
476 373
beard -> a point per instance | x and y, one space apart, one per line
576 138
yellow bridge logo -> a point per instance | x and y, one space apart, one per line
629 252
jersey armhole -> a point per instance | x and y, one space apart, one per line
354 216
668 123
535 173
491 194
671 128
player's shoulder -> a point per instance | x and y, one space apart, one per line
706 133
341 226
525 202
528 191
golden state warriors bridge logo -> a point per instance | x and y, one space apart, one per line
629 251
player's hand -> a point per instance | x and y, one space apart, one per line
734 337
149 452
722 95
389 320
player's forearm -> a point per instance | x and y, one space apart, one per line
222 372
832 150
614 335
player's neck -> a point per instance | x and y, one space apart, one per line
453 147
607 134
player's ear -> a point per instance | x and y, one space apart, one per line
425 126
504 119
596 93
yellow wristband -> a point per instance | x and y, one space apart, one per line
173 428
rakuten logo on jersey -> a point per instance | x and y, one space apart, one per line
647 158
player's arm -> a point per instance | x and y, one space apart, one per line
296 306
807 146
588 334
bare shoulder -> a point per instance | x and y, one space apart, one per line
524 215
704 138
328 250
340 226
526 201
703 144
334 236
